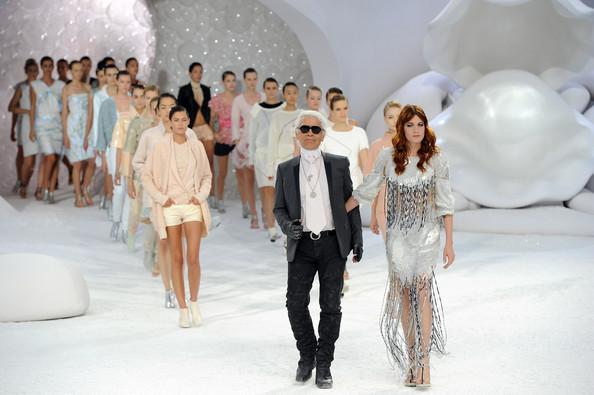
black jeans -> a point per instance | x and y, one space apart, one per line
323 257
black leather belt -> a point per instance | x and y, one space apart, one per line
324 233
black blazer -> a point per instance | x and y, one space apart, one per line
287 206
185 97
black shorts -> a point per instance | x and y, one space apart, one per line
223 149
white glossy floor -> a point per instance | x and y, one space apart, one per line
519 313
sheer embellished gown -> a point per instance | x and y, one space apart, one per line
415 202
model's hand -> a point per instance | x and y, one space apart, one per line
195 201
217 137
32 135
295 230
251 167
351 204
448 255
357 252
86 143
13 135
67 143
117 179
168 203
373 225
131 189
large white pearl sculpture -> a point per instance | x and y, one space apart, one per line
512 141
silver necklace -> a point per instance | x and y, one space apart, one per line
312 193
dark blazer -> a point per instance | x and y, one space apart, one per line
287 206
185 97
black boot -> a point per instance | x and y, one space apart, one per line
304 369
323 378
303 374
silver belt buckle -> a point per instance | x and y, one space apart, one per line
311 236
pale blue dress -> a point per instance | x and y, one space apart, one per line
77 122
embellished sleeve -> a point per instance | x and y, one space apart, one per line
444 198
368 190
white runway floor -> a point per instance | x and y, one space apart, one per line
519 313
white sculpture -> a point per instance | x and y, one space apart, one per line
512 141
472 38
39 287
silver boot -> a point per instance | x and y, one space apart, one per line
115 231
102 203
50 198
212 202
46 195
170 299
245 211
221 206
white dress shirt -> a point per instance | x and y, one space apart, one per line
314 209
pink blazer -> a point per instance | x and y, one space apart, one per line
155 177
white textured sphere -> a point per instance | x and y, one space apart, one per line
39 287
513 141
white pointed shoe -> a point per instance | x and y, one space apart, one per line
196 316
184 318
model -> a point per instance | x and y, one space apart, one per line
419 201
177 176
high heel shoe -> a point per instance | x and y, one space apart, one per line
196 316
254 222
50 198
169 299
39 194
23 191
88 198
245 211
184 318
422 384
46 195
410 380
16 187
78 201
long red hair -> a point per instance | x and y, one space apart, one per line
428 147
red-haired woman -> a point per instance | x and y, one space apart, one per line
418 200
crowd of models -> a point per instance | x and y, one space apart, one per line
149 156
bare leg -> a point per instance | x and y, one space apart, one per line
19 163
250 177
174 238
240 174
267 195
40 179
193 231
70 168
54 175
50 162
87 178
408 329
164 261
222 176
209 148
76 170
425 315
27 169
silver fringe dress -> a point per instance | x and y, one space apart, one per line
416 201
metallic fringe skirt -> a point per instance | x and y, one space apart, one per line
406 347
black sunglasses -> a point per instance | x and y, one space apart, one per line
307 128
